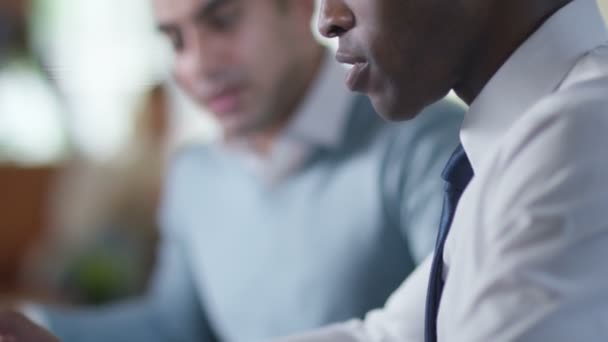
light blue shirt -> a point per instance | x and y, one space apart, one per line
245 259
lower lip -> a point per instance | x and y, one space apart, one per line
357 76
224 104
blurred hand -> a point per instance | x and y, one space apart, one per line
14 327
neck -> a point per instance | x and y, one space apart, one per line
263 140
508 27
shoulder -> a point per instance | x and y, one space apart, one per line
191 159
587 96
551 167
187 171
187 167
557 150
575 117
578 108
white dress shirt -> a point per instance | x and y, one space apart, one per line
524 257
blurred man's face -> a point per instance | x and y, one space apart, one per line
406 53
238 58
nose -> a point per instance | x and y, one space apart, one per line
201 55
190 60
335 18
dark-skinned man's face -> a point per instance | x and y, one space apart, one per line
406 53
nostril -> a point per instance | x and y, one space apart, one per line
336 18
335 31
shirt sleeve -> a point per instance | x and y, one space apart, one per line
171 310
401 320
539 274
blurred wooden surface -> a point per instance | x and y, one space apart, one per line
24 194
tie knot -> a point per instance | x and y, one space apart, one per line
458 171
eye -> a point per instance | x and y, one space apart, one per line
225 18
174 37
176 41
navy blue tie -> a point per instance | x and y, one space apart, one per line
457 174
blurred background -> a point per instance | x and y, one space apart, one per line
88 119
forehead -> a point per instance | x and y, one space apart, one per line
176 10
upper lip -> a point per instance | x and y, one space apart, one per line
348 58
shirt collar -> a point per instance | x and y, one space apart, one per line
537 68
319 122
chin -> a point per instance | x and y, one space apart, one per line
232 129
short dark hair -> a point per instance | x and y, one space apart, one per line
282 4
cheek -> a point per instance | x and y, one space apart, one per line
184 78
262 59
383 68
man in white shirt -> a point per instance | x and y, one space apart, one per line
521 261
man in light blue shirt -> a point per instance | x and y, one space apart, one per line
310 209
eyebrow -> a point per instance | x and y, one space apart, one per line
203 13
165 28
208 9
